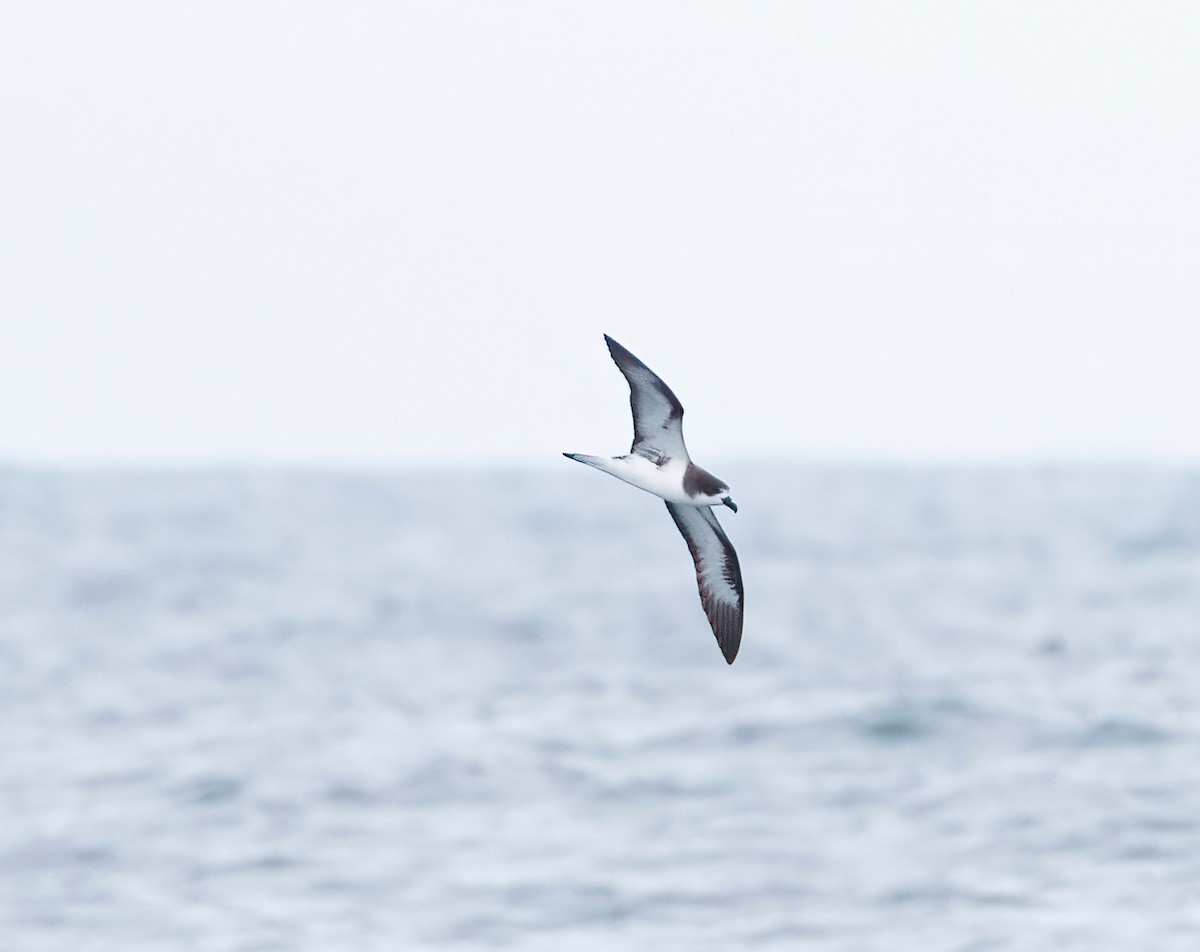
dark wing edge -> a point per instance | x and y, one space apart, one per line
718 573
639 376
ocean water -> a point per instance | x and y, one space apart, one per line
289 711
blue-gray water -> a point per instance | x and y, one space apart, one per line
415 711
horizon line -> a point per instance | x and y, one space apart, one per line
213 463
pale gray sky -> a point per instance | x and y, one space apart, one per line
379 232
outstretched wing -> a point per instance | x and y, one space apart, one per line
657 412
717 572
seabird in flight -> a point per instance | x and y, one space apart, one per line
658 462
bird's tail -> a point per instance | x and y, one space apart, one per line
600 462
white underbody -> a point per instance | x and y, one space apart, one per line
664 481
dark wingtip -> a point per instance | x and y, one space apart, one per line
727 626
616 349
571 455
624 359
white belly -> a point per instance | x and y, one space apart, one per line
665 482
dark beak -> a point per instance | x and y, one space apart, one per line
728 500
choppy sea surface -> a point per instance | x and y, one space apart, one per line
313 711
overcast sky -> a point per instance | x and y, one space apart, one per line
378 233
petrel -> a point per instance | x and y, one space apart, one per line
658 462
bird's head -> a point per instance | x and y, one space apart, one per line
710 490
